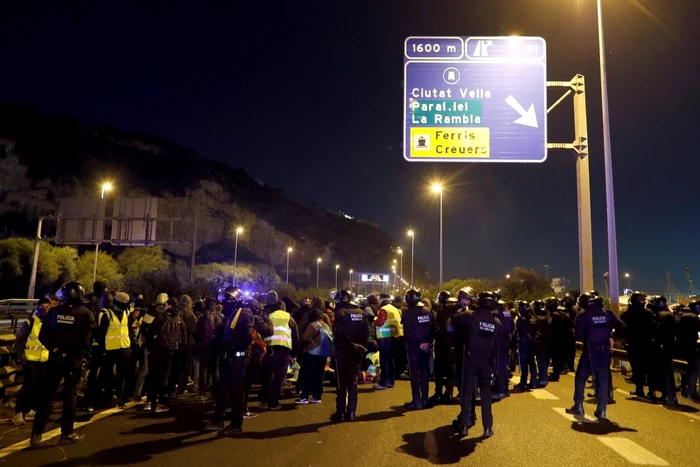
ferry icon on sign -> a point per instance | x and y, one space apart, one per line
451 75
421 142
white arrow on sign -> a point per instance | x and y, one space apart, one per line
527 117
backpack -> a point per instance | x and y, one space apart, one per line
257 348
169 336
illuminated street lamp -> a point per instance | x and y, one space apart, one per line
412 234
507 276
318 267
350 281
337 267
627 276
106 186
400 251
239 231
289 251
437 188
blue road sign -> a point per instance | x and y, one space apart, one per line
475 99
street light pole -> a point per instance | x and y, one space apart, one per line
337 266
318 267
627 276
239 230
107 186
437 188
412 234
401 264
609 192
289 250
350 281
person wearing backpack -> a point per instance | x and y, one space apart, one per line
162 341
320 346
208 326
257 350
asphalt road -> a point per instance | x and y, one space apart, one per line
530 430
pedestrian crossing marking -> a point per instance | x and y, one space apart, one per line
573 418
632 451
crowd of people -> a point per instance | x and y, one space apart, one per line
220 347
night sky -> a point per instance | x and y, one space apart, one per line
307 96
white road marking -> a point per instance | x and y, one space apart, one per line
573 418
543 395
54 433
622 391
632 451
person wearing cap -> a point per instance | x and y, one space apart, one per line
114 339
282 347
34 357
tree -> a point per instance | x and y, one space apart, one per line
107 270
56 265
15 264
145 264
525 284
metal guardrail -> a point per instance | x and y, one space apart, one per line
15 309
679 366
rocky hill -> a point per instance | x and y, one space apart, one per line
46 158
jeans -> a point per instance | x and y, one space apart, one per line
275 370
313 377
34 376
143 373
185 368
386 363
59 367
159 363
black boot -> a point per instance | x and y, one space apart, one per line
600 414
488 432
337 417
463 430
350 417
231 430
577 409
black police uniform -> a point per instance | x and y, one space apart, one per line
542 338
502 349
352 333
594 326
419 328
527 328
66 333
557 342
444 371
479 331
688 334
234 343
664 346
569 313
638 343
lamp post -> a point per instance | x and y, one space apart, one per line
350 281
437 188
401 262
412 234
289 251
239 231
106 186
507 276
318 267
337 267
627 276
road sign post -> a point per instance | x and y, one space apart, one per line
475 99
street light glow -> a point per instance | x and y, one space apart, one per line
436 187
337 266
627 274
507 276
289 250
318 260
400 251
239 230
107 186
351 271
410 233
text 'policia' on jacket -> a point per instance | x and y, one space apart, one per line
118 332
392 327
282 334
33 350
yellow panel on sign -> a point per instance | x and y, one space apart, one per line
457 143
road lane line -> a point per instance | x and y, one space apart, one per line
56 432
543 395
632 451
573 418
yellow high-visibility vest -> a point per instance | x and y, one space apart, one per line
33 350
392 327
118 332
282 334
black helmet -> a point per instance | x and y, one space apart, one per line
694 307
568 301
659 303
443 297
488 300
638 298
523 306
501 305
598 300
71 293
231 295
551 303
413 296
344 296
466 292
537 305
498 294
583 300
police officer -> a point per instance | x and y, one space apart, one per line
444 348
558 339
352 333
233 341
688 334
594 326
568 304
502 348
419 333
66 334
542 337
664 346
639 340
527 328
466 297
479 331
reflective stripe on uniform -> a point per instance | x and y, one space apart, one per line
282 335
118 332
33 350
392 327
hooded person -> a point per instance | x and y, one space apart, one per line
209 325
282 347
319 338
188 317
163 340
115 342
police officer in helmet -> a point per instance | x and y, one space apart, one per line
479 331
526 327
641 327
233 340
444 348
66 334
352 334
568 304
466 298
664 346
419 334
688 334
594 326
502 349
557 347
